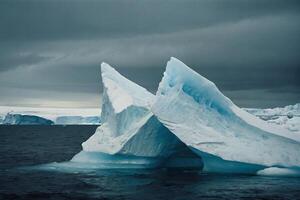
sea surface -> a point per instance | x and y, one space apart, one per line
22 148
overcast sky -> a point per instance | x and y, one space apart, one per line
50 51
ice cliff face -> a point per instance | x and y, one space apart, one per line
188 123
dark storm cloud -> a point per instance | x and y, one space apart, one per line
93 19
243 46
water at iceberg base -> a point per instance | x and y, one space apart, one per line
24 149
188 125
85 162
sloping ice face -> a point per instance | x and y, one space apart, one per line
130 135
227 138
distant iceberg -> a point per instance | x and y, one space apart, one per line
76 120
18 119
59 116
188 124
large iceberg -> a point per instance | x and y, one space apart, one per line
189 123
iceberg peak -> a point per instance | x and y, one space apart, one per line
121 91
179 77
125 108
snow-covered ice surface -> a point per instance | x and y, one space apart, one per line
226 137
57 115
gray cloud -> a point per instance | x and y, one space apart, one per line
11 61
243 46
93 19
265 98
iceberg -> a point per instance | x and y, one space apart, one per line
227 138
18 119
188 124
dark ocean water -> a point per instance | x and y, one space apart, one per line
24 146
